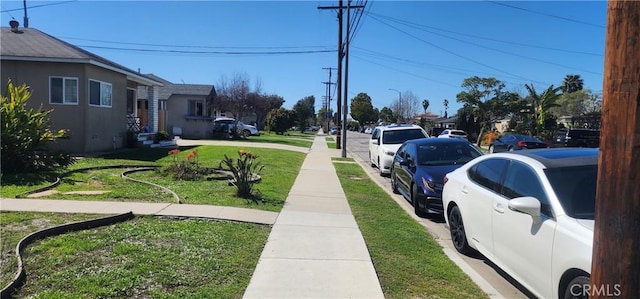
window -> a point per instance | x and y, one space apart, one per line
521 181
195 108
488 173
100 93
63 90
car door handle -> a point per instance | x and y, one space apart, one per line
499 208
464 190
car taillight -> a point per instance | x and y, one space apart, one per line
522 144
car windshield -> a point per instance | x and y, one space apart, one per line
400 136
576 189
459 133
446 154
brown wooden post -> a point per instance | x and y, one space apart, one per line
615 270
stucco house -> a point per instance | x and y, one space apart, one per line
183 109
91 97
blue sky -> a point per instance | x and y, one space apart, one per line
425 47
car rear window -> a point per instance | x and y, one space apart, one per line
458 133
400 136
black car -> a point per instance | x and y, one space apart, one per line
420 165
576 138
512 142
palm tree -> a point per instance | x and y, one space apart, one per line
425 105
572 83
446 106
542 103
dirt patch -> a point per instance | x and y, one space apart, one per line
41 194
87 192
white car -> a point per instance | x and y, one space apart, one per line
449 133
531 213
385 141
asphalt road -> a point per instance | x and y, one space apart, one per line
491 279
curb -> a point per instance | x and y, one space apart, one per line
53 231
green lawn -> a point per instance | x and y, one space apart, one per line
409 263
147 257
280 170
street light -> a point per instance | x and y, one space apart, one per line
399 101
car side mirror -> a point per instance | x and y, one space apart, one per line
375 141
527 205
403 162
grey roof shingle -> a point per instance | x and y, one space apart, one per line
169 89
33 44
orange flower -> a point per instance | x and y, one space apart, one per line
241 152
174 151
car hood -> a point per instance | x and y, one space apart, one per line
436 172
391 147
589 224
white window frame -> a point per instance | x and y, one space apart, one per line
106 94
64 91
192 112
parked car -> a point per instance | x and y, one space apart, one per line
531 213
333 130
449 133
435 132
512 142
385 141
420 165
576 138
227 123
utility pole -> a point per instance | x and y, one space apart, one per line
615 267
341 54
26 18
328 97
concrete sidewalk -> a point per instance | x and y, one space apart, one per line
315 249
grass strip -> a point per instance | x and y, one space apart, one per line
408 261
148 257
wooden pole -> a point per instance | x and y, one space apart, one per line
615 269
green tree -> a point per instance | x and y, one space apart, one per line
387 115
280 120
484 101
261 104
425 105
26 136
542 104
305 112
362 110
571 83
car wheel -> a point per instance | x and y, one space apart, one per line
458 234
414 202
577 288
491 149
394 182
246 133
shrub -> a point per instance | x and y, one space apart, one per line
26 135
188 169
161 136
245 172
489 137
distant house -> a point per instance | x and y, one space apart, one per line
92 97
183 109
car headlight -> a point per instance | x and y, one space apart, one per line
389 153
431 186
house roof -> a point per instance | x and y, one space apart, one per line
29 44
168 89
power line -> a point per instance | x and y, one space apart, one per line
188 46
209 52
482 37
545 14
36 6
508 53
448 51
